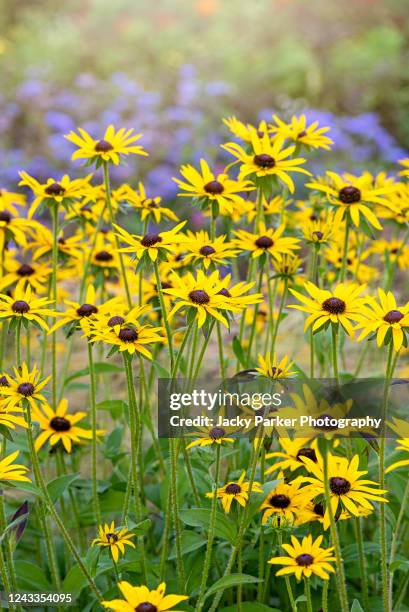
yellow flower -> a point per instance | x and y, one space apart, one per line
13 472
126 334
237 491
147 207
114 539
386 319
210 436
25 386
154 244
290 456
272 368
107 149
23 305
59 192
9 201
141 599
58 426
267 159
267 240
342 305
351 195
402 446
318 231
274 206
285 500
68 246
13 228
209 187
298 131
345 483
244 130
9 418
305 558
35 274
405 163
200 248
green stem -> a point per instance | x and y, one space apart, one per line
134 424
50 506
280 310
181 349
221 352
54 216
395 536
165 537
324 601
112 221
307 592
335 540
254 323
7 545
261 560
95 499
176 520
210 536
334 330
345 252
287 579
362 563
18 342
49 546
164 314
202 351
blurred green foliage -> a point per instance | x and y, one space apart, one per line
347 57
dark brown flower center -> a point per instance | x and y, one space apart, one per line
4 382
165 285
128 334
112 538
280 501
60 423
334 305
264 242
276 371
86 310
104 256
224 292
103 146
55 189
216 433
326 427
264 160
349 195
198 296
146 606
318 235
26 389
20 306
302 134
115 320
304 560
393 316
339 486
319 509
150 240
307 452
233 488
5 216
25 270
214 188
207 250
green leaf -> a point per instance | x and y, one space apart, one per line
232 580
115 407
100 368
238 351
31 577
356 606
200 517
249 606
57 486
190 541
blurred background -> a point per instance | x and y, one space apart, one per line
173 68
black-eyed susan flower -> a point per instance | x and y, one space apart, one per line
287 268
13 472
388 321
81 314
10 200
237 490
114 539
131 337
201 249
270 367
351 195
272 206
61 191
153 245
13 228
403 445
291 453
33 273
267 159
110 148
207 436
141 599
11 418
41 244
318 231
24 305
300 132
346 486
342 305
244 130
268 240
60 426
148 208
25 385
285 500
212 188
305 558
208 295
